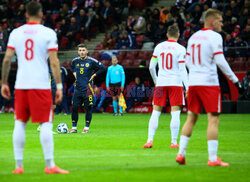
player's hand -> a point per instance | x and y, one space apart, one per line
92 77
122 88
59 96
239 87
108 89
5 91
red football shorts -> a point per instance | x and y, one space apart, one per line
208 96
34 103
174 93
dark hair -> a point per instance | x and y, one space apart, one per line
81 46
173 31
33 8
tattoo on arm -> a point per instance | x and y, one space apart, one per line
6 65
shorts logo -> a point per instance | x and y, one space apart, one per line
87 64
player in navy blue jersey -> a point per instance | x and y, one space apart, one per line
83 68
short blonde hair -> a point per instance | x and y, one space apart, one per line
212 13
173 31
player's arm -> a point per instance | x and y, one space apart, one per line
184 75
107 79
152 68
220 61
55 67
224 67
5 90
123 78
100 68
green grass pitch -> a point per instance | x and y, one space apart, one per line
112 151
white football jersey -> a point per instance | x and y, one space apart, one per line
31 43
169 54
202 47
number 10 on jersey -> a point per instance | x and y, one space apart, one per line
167 61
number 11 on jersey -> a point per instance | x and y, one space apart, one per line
199 53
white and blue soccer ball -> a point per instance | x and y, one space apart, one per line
62 128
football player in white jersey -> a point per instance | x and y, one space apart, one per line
33 43
170 57
204 54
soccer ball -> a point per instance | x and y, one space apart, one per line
62 128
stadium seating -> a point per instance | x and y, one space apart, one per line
64 42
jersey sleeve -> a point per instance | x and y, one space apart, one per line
52 44
155 55
98 65
123 76
182 56
65 71
182 67
11 41
217 45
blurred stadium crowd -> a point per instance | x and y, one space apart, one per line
78 21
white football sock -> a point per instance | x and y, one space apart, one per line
86 128
175 126
46 139
212 149
183 145
19 141
153 124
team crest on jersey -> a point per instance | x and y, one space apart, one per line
87 64
117 72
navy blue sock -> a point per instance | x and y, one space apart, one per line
74 116
88 117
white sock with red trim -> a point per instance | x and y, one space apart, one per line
183 145
153 124
46 139
175 126
19 141
212 149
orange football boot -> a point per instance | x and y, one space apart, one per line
174 146
218 162
55 170
148 145
180 159
18 170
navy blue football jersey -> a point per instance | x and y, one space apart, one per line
84 69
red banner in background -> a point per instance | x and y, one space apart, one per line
233 90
